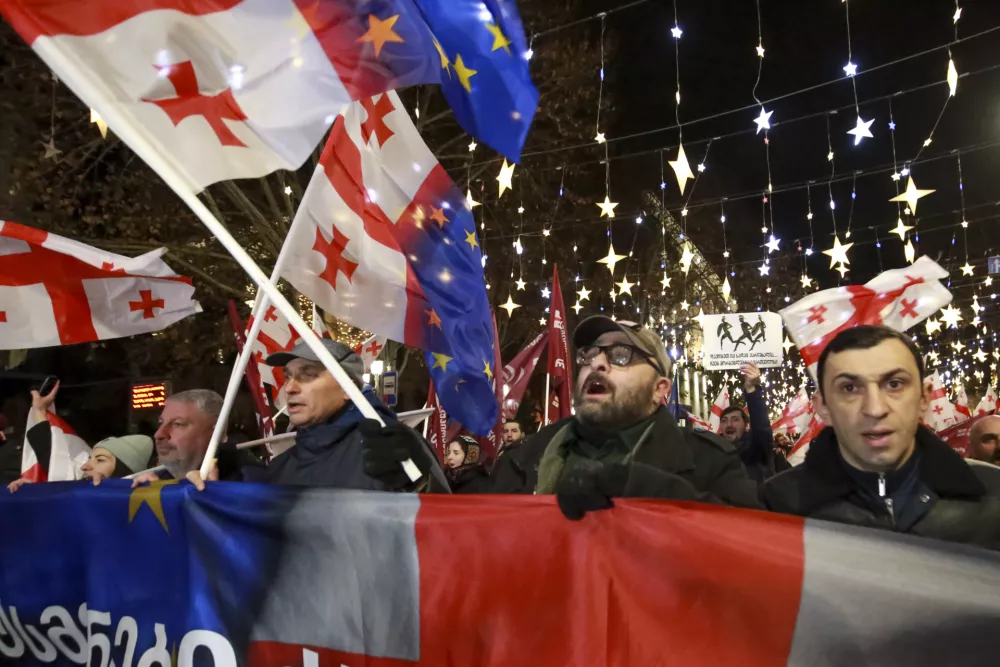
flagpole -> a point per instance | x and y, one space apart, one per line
548 398
91 90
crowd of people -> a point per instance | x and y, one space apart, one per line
875 465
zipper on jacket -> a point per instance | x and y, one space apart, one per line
885 499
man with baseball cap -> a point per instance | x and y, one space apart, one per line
622 441
332 436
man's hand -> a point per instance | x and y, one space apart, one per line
751 377
145 478
17 484
41 404
385 449
195 476
590 486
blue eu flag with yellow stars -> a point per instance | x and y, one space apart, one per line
475 49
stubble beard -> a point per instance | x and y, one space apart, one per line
624 408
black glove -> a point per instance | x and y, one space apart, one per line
385 449
589 486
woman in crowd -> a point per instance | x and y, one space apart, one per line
465 467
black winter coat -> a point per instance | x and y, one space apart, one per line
955 500
473 479
669 463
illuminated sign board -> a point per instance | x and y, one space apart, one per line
146 396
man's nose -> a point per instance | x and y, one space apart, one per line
875 404
292 386
599 362
161 433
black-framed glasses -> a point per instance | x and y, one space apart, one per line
617 354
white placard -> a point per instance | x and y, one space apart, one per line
733 339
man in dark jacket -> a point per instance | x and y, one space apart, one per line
622 442
754 440
877 466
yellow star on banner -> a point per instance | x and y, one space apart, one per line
149 495
510 305
500 41
608 207
487 371
380 32
504 178
101 125
445 64
432 318
441 361
912 195
611 259
464 73
470 238
838 253
439 217
682 168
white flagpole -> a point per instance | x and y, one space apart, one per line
548 399
90 89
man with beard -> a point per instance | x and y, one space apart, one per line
622 441
876 465
754 440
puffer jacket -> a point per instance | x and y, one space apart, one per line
943 497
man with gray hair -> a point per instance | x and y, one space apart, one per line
184 431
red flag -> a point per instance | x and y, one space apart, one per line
437 423
57 291
257 391
559 368
517 373
957 435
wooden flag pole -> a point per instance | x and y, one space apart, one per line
95 94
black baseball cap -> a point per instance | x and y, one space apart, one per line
345 356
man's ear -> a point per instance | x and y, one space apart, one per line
819 405
661 392
925 395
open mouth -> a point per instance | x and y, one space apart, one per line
877 437
596 386
293 407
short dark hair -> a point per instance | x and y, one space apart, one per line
514 421
865 337
734 408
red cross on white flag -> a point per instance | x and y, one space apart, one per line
721 403
962 403
940 411
899 299
988 404
56 291
369 350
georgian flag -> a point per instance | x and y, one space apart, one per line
56 460
962 403
899 299
721 403
797 454
276 335
988 404
56 291
796 415
940 412
369 351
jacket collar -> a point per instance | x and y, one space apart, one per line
941 468
336 426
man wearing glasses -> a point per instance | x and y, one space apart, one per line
622 441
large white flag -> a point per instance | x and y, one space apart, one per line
55 456
56 291
940 412
988 404
962 403
721 403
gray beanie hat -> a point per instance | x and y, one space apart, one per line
132 450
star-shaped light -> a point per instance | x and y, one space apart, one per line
850 69
686 257
909 251
510 305
763 120
862 130
764 269
701 168
625 287
470 203
505 176
288 189
838 253
901 229
842 270
700 318
545 292
951 316
787 344
952 78
957 346
772 245
676 32
600 138
957 16
583 294
726 289
520 284
760 50
806 281
912 195
665 281
895 176
979 356
682 168
95 118
473 146
607 207
967 269
685 305
829 156
611 259
988 281
51 152
932 326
